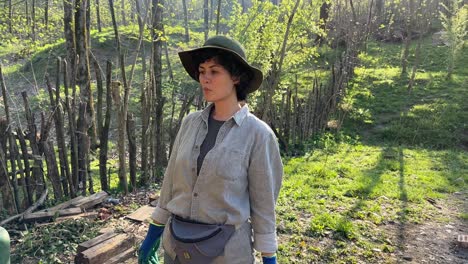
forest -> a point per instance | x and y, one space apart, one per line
367 99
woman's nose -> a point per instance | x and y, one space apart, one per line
204 78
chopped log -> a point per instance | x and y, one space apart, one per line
120 258
41 216
91 200
141 214
106 250
97 240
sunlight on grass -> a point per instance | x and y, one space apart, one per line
347 190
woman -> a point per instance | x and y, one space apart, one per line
224 173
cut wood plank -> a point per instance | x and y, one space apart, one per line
41 216
91 200
141 214
92 242
88 215
63 205
105 250
105 230
127 254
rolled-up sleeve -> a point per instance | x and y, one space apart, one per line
265 175
161 214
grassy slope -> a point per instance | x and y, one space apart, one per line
395 151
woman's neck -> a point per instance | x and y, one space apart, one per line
224 110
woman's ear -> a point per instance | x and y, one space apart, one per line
235 79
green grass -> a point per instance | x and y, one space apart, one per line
395 150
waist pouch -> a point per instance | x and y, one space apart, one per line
198 242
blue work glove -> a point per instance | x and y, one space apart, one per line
269 260
148 253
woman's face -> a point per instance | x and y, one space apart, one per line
216 82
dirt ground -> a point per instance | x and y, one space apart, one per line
433 241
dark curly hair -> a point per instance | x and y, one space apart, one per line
231 64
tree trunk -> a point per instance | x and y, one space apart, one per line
98 16
157 72
353 11
132 150
68 7
122 9
47 148
11 140
324 14
83 147
46 14
379 11
59 134
217 16
27 167
408 24
123 106
26 12
187 36
105 130
143 98
72 132
37 170
33 18
10 15
100 91
83 72
206 18
8 199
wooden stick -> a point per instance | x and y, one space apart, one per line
29 210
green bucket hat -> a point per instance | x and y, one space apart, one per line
226 44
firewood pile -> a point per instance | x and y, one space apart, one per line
116 244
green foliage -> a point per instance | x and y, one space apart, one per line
455 26
48 244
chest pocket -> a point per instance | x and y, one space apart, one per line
230 164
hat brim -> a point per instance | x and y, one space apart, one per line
186 57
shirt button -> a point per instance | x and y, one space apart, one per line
197 146
195 194
193 169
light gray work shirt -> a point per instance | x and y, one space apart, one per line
239 180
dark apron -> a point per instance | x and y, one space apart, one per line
198 242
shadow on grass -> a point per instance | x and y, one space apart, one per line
369 180
402 218
436 109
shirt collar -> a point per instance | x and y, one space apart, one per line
238 117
